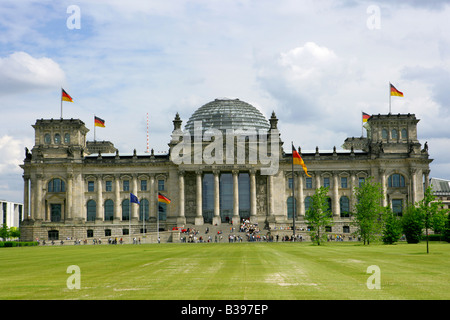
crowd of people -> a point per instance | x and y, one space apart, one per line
247 231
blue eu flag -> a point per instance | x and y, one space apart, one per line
134 199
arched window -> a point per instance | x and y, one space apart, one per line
67 138
56 185
384 134
125 210
109 210
143 209
308 203
345 206
57 138
394 134
396 181
91 210
404 134
47 138
290 207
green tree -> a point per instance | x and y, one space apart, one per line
319 216
4 232
432 213
446 232
368 210
392 227
412 224
14 232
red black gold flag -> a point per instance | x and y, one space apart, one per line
162 198
297 159
65 96
395 92
99 122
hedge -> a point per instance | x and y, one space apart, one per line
8 244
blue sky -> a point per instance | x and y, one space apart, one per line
317 64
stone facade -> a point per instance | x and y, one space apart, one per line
71 192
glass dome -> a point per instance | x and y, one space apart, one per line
226 114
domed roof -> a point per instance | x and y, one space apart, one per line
226 114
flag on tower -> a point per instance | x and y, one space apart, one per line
65 96
99 122
365 117
395 92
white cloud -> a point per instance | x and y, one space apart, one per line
12 153
21 72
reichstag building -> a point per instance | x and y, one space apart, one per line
226 164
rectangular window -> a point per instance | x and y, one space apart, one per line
361 181
161 185
344 182
308 183
126 185
326 182
108 185
143 185
90 186
397 207
290 183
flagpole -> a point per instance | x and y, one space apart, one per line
362 124
129 219
389 98
61 104
94 127
293 192
157 218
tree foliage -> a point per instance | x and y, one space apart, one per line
432 213
392 227
412 224
319 216
368 210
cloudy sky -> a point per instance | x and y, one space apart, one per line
317 64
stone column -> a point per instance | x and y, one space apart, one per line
38 214
26 196
352 188
301 197
427 179
117 204
99 214
270 198
336 206
236 219
181 218
69 210
253 214
317 182
152 212
382 173
216 218
413 185
199 200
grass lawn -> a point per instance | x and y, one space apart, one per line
219 271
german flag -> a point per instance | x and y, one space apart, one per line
99 122
395 92
365 117
65 96
296 159
162 198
